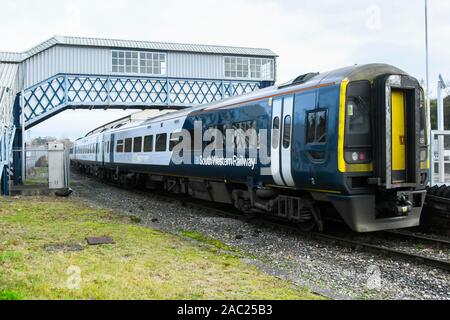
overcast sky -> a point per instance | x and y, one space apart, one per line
307 35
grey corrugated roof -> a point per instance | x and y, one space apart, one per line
8 73
130 44
10 57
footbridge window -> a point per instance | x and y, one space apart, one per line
134 62
249 68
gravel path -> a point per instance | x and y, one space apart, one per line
328 269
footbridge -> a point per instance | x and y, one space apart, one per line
86 73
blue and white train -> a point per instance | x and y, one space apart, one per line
350 143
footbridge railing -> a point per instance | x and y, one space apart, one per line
65 91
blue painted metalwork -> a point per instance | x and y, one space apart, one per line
18 176
65 91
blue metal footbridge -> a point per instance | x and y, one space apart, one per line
70 91
85 73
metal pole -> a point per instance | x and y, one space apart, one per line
431 138
24 155
427 64
441 152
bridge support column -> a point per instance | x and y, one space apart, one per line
5 182
18 144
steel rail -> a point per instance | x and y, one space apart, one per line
356 244
408 235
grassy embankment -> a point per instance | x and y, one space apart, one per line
143 264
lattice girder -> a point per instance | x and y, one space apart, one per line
81 91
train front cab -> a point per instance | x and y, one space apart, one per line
383 153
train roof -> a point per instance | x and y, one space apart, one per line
335 77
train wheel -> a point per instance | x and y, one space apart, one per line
312 218
308 226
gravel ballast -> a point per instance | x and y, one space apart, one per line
328 269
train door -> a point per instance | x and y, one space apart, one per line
281 150
304 136
398 137
96 149
112 148
317 135
104 150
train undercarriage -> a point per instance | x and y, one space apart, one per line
308 210
299 208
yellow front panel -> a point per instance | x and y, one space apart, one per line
398 131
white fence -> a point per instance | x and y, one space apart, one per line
440 158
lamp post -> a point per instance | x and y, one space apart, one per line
428 90
427 65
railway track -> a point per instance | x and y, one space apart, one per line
436 213
338 239
408 235
343 240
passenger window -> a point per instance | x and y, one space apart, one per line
242 140
148 144
174 141
287 132
275 132
119 146
321 132
137 145
316 127
128 145
161 142
311 127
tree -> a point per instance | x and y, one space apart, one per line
434 124
446 114
41 141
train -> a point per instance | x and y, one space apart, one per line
350 144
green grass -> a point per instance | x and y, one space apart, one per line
37 176
207 240
10 295
143 264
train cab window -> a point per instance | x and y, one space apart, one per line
275 132
137 144
358 115
128 145
161 142
287 132
148 144
119 147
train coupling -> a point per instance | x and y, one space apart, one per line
403 206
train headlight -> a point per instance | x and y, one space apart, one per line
358 157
